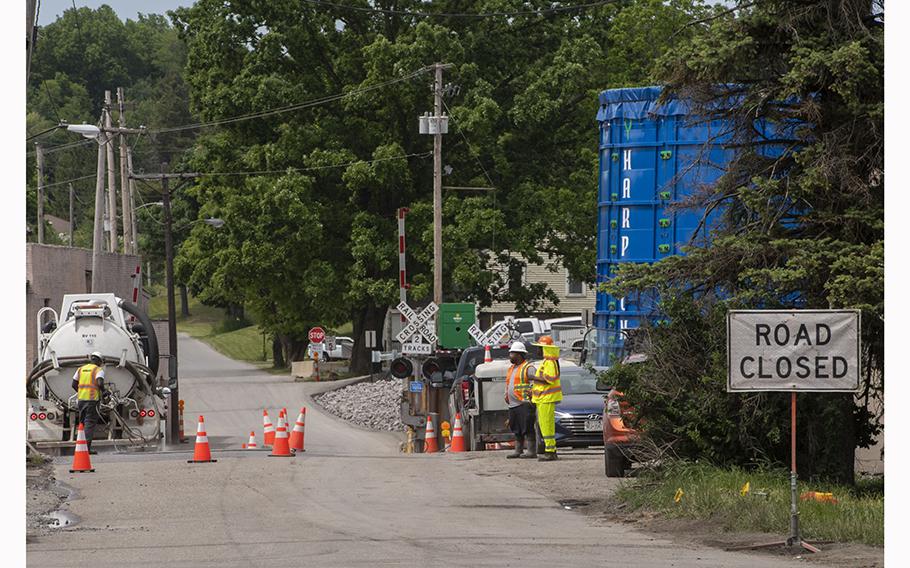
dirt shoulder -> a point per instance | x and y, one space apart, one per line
577 481
43 496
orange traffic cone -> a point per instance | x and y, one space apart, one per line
281 448
268 431
251 445
297 435
457 436
429 443
201 453
82 463
487 355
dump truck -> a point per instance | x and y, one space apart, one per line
132 406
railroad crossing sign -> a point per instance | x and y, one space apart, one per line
491 337
316 335
418 329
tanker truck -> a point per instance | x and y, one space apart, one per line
132 406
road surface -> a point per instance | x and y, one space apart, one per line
350 500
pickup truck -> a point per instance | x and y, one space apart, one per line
344 346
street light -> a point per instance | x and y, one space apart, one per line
87 130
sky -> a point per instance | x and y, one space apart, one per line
126 9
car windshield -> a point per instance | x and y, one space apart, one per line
578 381
524 327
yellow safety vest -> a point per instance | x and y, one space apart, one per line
518 381
548 370
88 383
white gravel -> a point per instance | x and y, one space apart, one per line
376 405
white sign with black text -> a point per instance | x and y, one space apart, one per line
793 350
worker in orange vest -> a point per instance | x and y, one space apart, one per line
518 397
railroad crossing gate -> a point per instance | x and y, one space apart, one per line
491 337
419 329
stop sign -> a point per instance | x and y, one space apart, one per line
317 335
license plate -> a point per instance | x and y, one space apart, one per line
594 425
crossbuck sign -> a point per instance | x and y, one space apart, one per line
491 337
419 328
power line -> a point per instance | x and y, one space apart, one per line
290 108
64 181
314 168
392 12
468 144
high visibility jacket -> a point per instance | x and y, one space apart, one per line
517 381
549 371
89 387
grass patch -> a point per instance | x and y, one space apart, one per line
211 325
713 493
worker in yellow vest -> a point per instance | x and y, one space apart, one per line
88 381
518 399
545 393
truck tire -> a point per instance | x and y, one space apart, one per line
614 462
475 445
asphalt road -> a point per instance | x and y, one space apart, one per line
350 500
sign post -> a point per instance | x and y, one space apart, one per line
316 335
793 351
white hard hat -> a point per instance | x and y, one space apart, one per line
518 347
96 355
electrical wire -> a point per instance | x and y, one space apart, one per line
392 12
47 185
314 168
289 108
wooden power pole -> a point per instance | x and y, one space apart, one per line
39 155
98 229
129 242
111 175
134 234
437 183
72 219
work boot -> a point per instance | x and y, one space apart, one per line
91 452
531 450
519 443
547 457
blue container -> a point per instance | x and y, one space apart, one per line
652 157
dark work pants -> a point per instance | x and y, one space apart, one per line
89 417
521 421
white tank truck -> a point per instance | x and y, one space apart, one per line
132 408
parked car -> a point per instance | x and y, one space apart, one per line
479 398
344 346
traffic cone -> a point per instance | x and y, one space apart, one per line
281 448
82 463
251 445
457 436
268 431
298 433
429 443
201 453
487 355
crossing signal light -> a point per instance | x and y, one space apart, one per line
401 368
432 371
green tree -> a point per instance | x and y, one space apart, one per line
522 121
803 214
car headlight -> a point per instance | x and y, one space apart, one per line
560 414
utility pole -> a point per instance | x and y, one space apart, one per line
128 241
173 427
39 154
134 234
111 175
72 219
437 126
98 230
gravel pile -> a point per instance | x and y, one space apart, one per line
372 405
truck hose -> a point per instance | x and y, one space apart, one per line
152 355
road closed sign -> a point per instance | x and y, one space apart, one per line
793 350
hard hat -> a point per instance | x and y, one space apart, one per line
545 340
517 347
97 355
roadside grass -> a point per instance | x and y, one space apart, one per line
713 494
211 325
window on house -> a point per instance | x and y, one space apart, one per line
574 287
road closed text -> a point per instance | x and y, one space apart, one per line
793 350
